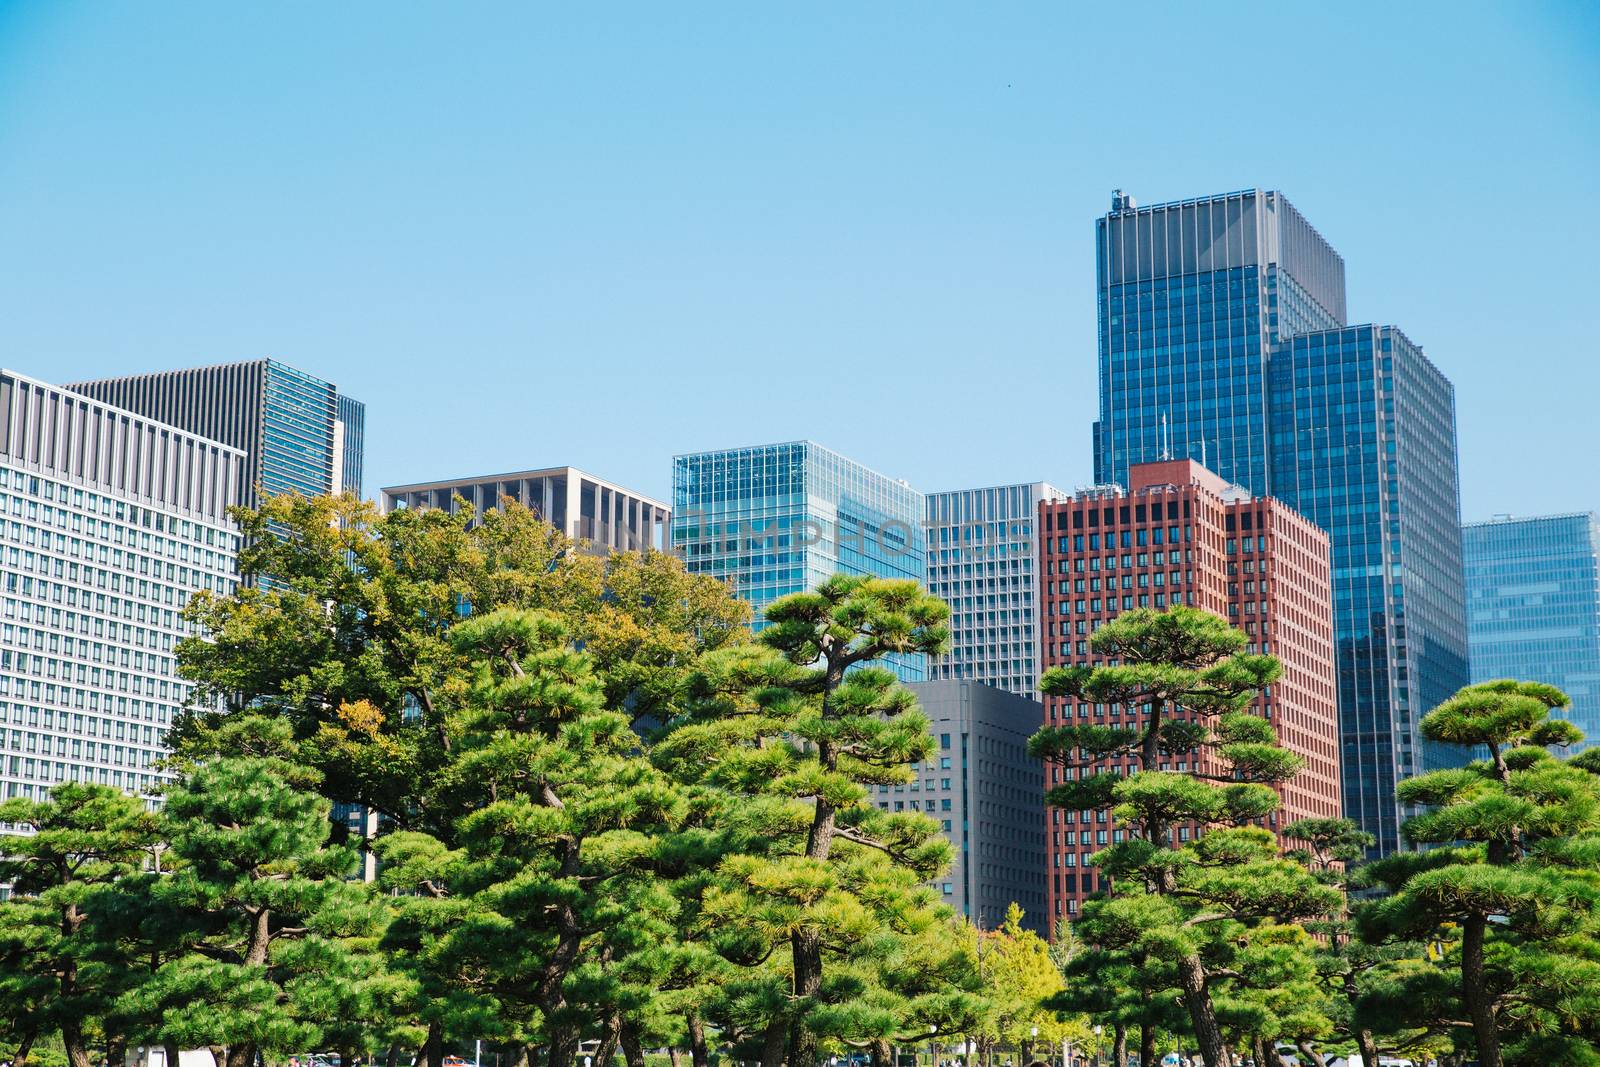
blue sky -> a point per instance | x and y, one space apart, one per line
600 235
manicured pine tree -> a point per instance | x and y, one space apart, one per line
801 730
76 844
1181 686
277 912
1514 867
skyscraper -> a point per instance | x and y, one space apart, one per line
1223 336
1192 297
1182 535
582 506
298 433
109 522
987 793
1533 606
1364 445
777 519
983 552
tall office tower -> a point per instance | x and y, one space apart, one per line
298 433
109 522
986 792
1223 335
607 516
1182 535
778 519
1192 297
1364 445
983 561
1533 606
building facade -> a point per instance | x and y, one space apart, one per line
1182 535
298 433
109 523
983 551
606 516
1533 606
777 519
1224 338
986 792
1192 297
1364 445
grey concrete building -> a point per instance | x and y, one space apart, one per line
988 795
298 432
109 523
602 513
983 552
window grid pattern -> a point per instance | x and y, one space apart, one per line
746 515
982 561
1533 607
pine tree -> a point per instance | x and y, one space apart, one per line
1181 684
800 730
1516 871
272 901
76 844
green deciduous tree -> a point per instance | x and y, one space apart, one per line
1516 872
1180 685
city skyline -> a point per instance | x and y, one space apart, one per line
950 242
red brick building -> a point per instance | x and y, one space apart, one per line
1181 535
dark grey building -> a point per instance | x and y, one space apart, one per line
606 515
1533 606
1224 339
988 795
298 433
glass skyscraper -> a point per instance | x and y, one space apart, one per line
1364 445
1533 606
1192 297
983 551
1224 339
778 519
298 433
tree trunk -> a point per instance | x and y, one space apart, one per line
116 1052
609 1033
392 1057
1119 1046
24 1046
1202 1014
772 1044
632 1046
431 1054
697 1042
1479 1010
1313 1057
807 985
1369 1048
1147 1045
674 1057
882 1055
171 1053
72 1038
1258 1051
562 1038
219 1055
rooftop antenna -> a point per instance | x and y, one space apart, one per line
1166 438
